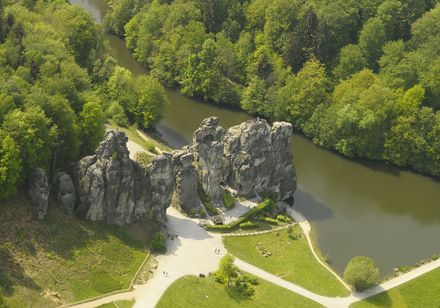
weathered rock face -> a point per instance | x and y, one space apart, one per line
258 158
39 192
248 159
186 194
113 188
65 191
207 147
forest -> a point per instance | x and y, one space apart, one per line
58 85
359 77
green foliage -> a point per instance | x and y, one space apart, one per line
143 158
361 272
158 243
248 225
92 126
243 284
117 114
228 200
141 98
283 218
10 166
354 62
371 40
271 221
226 271
120 14
351 60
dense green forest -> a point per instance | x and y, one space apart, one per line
361 77
58 86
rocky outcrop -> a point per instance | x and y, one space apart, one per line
186 194
39 192
65 191
248 159
113 188
258 158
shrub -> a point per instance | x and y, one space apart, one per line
220 228
212 210
271 221
158 243
151 148
361 272
248 225
262 207
143 158
284 219
243 285
228 200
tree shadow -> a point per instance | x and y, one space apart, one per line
236 296
377 296
12 273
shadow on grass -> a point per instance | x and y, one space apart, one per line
26 243
380 300
235 295
11 273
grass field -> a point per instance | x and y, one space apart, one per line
61 260
118 304
191 291
423 291
291 259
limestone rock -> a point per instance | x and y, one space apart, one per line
65 191
39 192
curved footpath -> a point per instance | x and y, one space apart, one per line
193 252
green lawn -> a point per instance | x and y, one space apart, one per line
423 292
61 260
291 260
191 291
118 304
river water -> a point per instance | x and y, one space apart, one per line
355 207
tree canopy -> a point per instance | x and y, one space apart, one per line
341 71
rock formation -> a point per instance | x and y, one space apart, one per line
249 159
65 191
113 188
39 192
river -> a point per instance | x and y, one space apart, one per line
355 208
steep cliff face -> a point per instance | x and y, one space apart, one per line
249 158
258 158
113 188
